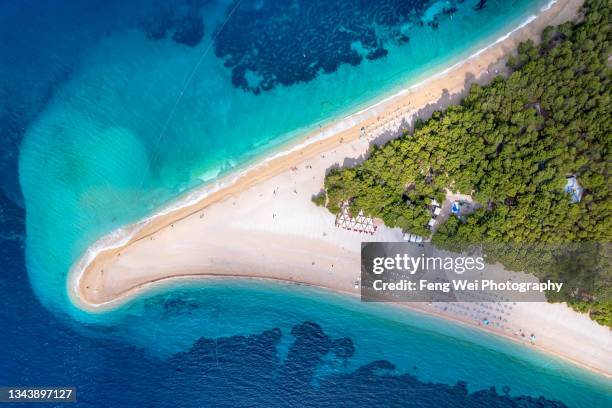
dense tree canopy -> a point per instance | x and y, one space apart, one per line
511 145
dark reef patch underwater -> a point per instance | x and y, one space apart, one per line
286 42
180 20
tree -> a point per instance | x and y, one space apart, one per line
510 145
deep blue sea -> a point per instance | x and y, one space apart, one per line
109 109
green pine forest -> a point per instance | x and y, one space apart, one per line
511 145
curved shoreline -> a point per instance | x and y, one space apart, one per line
123 236
198 198
346 136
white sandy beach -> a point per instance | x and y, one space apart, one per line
264 224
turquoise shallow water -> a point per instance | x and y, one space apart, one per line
132 122
432 349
